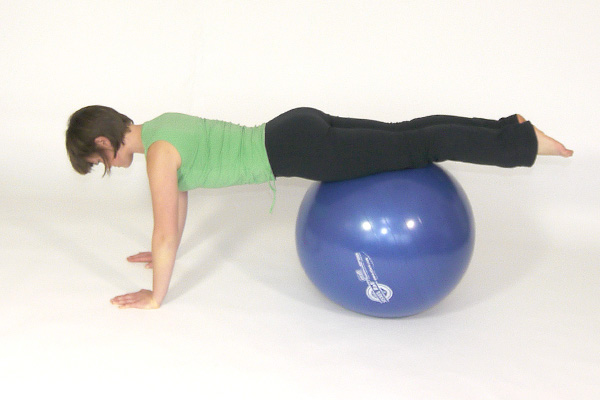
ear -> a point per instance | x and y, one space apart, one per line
102 143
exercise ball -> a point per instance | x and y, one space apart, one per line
387 245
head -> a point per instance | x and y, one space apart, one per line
94 132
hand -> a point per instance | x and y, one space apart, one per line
145 256
142 299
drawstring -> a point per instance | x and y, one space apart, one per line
274 190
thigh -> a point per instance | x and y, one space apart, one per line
307 143
296 141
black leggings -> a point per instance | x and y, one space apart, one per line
308 143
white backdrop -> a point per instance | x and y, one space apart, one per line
524 321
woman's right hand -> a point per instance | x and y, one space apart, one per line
145 257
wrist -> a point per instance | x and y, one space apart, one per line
155 301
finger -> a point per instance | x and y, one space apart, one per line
123 296
115 300
133 304
145 257
124 304
141 254
124 299
135 300
118 301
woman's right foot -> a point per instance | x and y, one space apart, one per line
550 147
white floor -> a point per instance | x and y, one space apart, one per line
242 318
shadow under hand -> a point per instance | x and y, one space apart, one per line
214 235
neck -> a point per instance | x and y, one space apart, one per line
133 139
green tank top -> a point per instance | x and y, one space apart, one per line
213 153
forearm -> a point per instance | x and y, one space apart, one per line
164 250
182 213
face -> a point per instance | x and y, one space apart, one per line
123 159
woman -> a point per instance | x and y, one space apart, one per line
184 152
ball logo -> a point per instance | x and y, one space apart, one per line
376 291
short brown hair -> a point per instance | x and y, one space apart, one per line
88 123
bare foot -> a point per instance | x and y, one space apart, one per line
550 147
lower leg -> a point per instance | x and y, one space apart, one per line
377 151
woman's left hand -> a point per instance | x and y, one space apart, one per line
142 299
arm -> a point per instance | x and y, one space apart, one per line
182 212
146 256
162 175
162 164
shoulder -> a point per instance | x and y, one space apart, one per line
170 124
166 118
163 154
171 127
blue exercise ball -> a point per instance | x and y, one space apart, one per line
386 245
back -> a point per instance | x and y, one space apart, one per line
213 153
